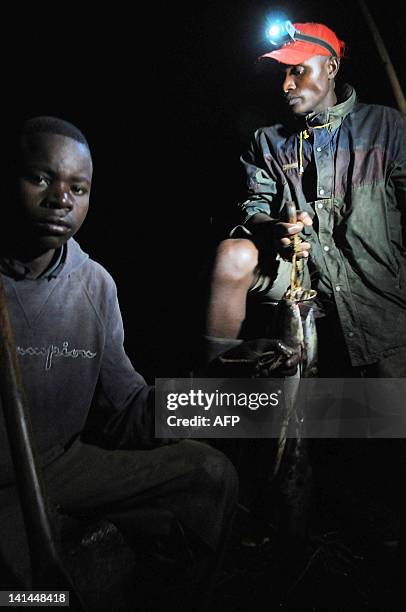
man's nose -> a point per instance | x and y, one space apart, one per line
60 196
288 83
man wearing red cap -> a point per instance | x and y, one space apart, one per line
343 164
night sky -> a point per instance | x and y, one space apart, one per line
168 100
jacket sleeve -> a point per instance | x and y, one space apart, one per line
398 168
261 180
396 187
122 412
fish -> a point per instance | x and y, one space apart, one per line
292 471
292 474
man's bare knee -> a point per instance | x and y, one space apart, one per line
236 260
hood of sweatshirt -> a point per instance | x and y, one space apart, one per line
67 259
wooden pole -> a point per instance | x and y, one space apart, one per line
48 570
397 90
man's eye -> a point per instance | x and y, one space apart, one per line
297 70
78 190
38 179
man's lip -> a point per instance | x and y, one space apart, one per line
292 100
54 225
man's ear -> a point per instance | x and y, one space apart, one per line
333 65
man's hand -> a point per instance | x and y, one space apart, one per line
282 234
262 357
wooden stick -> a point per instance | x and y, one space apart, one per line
48 571
390 70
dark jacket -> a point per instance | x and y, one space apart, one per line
69 337
353 185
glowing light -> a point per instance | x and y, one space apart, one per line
274 31
279 30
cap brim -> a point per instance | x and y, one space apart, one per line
296 53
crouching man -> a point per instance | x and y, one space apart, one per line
69 338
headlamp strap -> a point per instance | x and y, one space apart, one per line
317 41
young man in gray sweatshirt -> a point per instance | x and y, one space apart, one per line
69 337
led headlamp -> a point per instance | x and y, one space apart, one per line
281 33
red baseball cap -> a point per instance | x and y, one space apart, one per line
298 51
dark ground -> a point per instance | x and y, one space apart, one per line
350 561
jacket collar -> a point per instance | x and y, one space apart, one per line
334 115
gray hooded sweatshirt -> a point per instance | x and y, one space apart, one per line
69 336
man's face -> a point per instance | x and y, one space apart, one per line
54 181
308 86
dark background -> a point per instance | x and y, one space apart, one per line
168 96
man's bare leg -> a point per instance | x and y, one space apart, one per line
234 272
